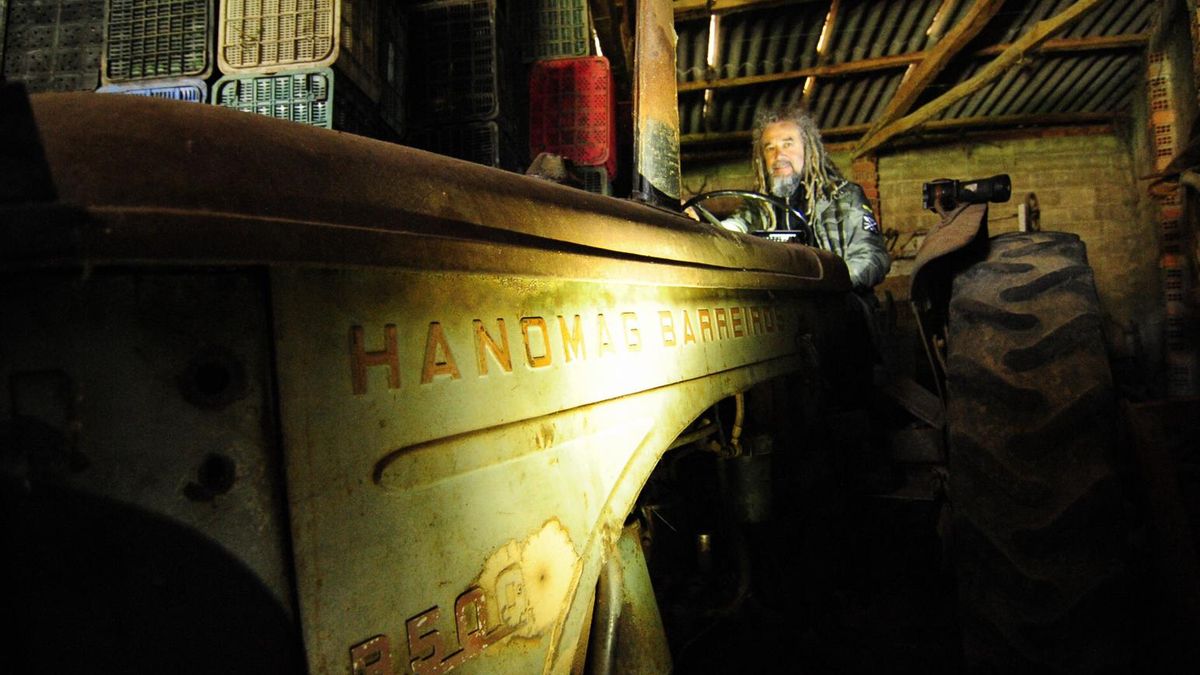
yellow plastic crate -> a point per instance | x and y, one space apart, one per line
273 36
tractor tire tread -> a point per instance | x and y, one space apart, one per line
1039 517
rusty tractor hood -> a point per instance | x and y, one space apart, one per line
161 181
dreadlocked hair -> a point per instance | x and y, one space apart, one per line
820 177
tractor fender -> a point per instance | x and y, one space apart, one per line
958 229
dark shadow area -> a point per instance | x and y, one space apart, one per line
102 587
868 594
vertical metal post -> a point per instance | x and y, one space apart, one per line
655 107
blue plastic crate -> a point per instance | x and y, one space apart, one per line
191 91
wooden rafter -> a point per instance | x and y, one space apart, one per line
827 30
1036 120
1041 32
979 128
691 9
861 66
613 29
1097 43
923 73
1083 44
823 51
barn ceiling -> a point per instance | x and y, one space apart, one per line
864 67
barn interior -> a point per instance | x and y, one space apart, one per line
1088 107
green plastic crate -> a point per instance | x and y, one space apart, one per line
303 96
555 29
309 97
157 39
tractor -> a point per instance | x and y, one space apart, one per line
282 399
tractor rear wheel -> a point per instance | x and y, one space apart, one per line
1039 513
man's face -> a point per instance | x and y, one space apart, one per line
782 150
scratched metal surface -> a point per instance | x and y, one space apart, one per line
244 188
656 135
640 634
478 454
157 464
449 467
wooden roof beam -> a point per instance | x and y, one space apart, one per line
615 32
850 67
695 9
1083 44
1063 45
919 77
983 122
824 52
1040 33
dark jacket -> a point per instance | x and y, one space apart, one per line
842 222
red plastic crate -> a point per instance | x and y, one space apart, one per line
571 111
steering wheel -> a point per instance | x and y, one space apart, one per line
764 203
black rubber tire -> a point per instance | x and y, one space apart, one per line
1039 513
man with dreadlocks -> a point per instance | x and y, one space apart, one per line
791 163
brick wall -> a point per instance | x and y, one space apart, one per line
1149 211
865 172
729 175
1084 184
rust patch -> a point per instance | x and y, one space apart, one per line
545 436
530 580
430 648
373 657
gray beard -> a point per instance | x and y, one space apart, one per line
785 186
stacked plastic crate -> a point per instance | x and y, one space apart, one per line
53 45
159 48
1183 364
393 68
571 102
461 93
310 61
